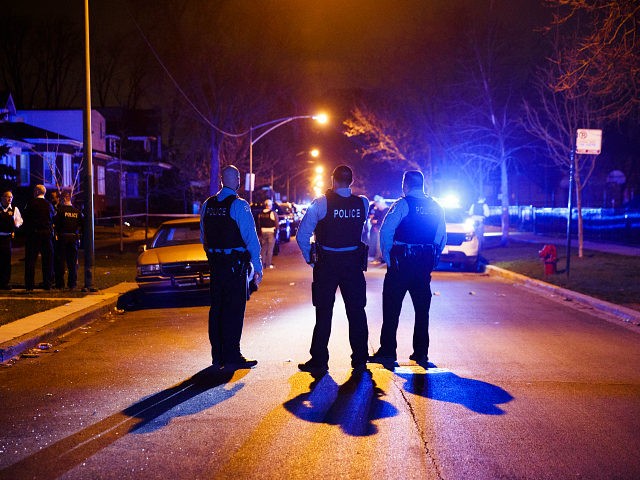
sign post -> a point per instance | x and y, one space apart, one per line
588 142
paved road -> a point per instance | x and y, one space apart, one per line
525 387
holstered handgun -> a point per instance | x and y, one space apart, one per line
313 254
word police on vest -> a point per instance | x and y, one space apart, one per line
71 214
423 211
346 213
216 211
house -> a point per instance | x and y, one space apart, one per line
46 146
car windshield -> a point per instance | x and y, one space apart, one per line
177 235
455 215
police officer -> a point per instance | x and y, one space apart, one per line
10 219
337 218
479 211
67 224
38 226
268 223
412 237
229 237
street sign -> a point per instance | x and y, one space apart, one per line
588 142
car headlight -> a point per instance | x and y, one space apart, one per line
151 269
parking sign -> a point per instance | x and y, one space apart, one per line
588 142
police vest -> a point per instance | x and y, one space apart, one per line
342 225
265 220
220 230
7 224
67 220
421 224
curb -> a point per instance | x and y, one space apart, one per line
626 315
12 348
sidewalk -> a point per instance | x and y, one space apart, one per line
562 243
21 335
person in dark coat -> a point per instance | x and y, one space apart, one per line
67 226
38 227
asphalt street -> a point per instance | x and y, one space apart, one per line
523 386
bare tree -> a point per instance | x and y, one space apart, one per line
484 129
603 65
391 131
554 117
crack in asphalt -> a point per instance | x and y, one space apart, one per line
421 432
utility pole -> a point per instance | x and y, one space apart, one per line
89 247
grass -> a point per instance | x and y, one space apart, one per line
607 276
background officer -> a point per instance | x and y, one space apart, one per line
38 226
412 237
67 225
268 222
10 219
337 218
229 237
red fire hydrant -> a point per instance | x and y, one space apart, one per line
549 255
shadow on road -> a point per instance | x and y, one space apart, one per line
353 406
480 397
137 300
193 395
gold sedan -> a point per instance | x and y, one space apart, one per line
175 260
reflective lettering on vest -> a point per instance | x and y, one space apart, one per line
70 215
346 213
216 212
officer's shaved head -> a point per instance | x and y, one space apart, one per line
412 180
230 177
342 176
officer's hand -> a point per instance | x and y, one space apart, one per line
257 277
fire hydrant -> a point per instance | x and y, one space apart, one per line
549 255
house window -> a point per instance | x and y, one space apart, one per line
9 161
25 172
76 171
101 180
67 170
132 180
48 169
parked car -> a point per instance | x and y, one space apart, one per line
462 248
175 259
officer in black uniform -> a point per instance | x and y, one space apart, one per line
10 219
412 237
67 225
340 258
229 237
38 226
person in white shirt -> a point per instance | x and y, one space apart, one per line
10 219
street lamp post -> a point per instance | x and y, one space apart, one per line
273 124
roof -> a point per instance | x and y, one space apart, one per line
23 131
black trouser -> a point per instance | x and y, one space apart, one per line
228 291
66 255
38 242
407 273
344 270
5 260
